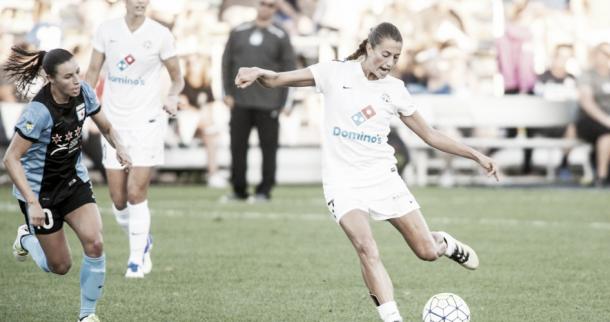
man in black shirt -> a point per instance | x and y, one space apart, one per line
265 44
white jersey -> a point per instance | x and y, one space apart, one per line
357 114
133 64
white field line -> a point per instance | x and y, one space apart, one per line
324 216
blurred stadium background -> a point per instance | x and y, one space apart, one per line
543 237
460 58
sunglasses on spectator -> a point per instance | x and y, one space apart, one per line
267 4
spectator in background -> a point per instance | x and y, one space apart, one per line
195 115
257 43
515 55
556 84
593 125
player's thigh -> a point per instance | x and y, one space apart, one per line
87 224
415 231
56 250
355 224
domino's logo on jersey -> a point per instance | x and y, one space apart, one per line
124 63
364 114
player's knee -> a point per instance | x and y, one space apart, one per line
118 199
367 250
94 248
135 196
60 268
427 253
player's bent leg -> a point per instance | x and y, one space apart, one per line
415 231
87 225
55 251
356 226
459 251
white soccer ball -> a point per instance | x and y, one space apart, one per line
446 307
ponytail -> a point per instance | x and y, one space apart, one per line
23 67
359 52
376 35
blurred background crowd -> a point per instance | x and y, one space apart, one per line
451 47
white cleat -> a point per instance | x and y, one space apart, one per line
18 251
460 252
90 318
147 263
134 271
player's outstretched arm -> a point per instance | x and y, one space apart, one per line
294 78
441 141
111 135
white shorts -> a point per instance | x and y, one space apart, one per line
387 200
145 145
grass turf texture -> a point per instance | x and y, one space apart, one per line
545 256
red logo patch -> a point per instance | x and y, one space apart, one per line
368 112
129 59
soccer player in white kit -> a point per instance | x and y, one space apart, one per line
359 169
134 49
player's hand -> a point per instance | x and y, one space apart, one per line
123 157
36 214
489 165
229 101
171 105
246 76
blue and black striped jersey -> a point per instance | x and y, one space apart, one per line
54 163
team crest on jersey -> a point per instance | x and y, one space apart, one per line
147 44
385 97
80 111
29 126
124 63
364 114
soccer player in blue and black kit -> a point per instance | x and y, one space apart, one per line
50 181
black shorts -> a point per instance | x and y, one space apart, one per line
55 213
589 129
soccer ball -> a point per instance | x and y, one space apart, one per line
446 307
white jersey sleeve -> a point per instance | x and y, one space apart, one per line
323 74
404 105
168 49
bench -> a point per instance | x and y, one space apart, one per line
518 111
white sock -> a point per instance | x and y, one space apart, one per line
122 218
450 243
388 312
139 227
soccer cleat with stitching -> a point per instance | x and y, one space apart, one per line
147 262
134 271
90 318
20 253
460 252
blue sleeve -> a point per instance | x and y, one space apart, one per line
34 119
92 105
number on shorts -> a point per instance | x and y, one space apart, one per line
48 218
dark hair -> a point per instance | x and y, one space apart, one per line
23 66
376 35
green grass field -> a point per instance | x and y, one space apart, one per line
545 256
